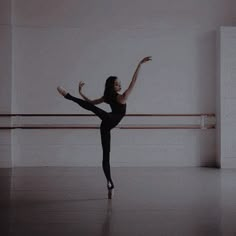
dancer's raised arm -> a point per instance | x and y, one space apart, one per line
95 101
123 97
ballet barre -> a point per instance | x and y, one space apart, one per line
29 121
87 115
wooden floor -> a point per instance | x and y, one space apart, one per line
147 201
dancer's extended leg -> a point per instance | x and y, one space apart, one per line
84 104
88 106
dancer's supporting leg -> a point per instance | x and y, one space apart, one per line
106 142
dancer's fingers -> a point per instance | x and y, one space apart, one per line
146 59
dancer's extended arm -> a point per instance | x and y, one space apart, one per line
123 97
95 101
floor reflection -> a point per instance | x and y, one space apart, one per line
106 226
148 201
5 202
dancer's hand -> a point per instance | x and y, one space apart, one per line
145 59
81 85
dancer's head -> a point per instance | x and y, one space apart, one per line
112 86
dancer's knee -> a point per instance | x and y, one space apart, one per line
106 156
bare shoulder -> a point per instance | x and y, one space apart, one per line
121 99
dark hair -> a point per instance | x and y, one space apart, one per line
109 92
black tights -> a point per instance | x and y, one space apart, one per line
109 121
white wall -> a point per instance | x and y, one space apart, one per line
5 56
61 42
226 92
65 41
5 79
129 148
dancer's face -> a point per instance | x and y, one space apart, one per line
117 85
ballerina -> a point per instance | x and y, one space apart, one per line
117 102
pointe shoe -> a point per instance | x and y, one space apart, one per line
61 91
110 188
